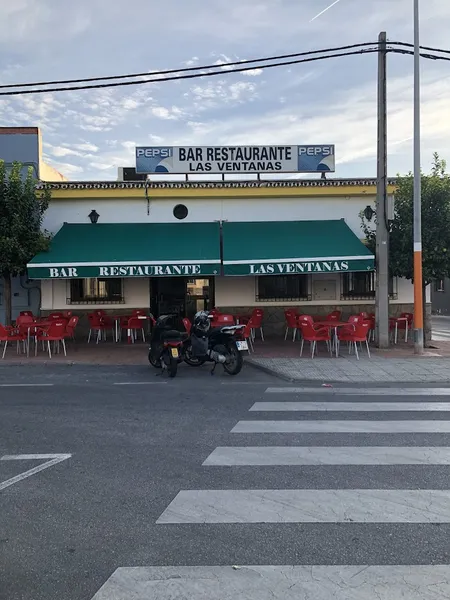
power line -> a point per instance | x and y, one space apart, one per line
422 54
190 69
189 76
213 66
441 50
214 73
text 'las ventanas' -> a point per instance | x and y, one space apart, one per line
300 267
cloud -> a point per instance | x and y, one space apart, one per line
29 21
161 112
330 101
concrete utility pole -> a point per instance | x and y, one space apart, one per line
418 292
382 234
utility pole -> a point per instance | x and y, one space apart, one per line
418 291
382 233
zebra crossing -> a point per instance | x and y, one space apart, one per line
398 445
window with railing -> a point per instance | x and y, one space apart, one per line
362 286
282 287
95 291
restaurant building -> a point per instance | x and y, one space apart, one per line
189 245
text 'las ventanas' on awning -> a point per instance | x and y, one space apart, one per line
298 267
235 159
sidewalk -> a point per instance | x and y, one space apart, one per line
396 365
280 358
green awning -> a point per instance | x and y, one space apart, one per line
293 247
130 250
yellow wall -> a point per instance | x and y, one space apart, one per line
48 173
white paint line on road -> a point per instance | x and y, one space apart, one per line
227 456
141 383
361 391
350 406
32 385
308 506
349 582
342 427
55 459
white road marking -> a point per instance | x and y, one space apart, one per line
327 455
54 460
308 506
141 383
361 391
342 427
33 385
358 582
350 406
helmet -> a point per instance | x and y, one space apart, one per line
201 323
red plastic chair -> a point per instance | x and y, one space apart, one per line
402 324
55 315
70 327
353 319
256 319
222 320
55 333
8 335
336 315
247 335
133 326
96 325
291 317
355 335
313 333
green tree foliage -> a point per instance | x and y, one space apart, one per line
435 226
22 210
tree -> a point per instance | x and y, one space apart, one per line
435 226
22 210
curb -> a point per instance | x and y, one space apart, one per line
270 371
315 382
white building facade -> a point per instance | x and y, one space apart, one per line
234 245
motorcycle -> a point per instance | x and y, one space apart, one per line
166 346
214 344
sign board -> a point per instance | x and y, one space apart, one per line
234 159
203 268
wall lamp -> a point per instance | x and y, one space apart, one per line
369 213
93 215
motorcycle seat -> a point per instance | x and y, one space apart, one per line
171 336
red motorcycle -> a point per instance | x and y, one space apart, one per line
166 346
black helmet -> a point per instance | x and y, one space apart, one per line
202 323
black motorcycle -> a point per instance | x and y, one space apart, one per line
213 344
166 345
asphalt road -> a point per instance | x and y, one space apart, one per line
135 493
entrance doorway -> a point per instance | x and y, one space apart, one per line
181 296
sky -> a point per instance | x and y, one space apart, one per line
88 134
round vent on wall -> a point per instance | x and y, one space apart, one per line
180 211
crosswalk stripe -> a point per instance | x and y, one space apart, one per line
351 406
361 391
326 426
308 506
358 582
326 455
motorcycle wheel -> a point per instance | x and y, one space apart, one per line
190 360
155 362
172 367
234 362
